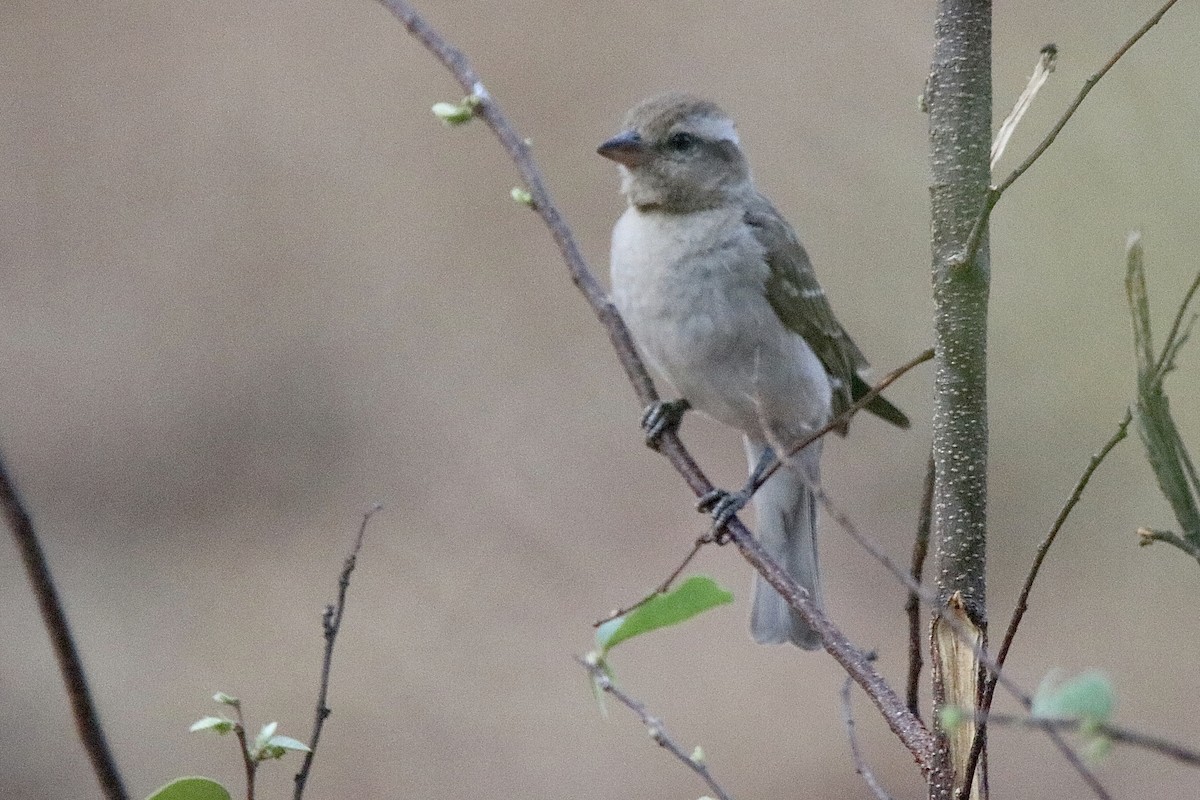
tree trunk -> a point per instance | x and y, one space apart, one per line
959 101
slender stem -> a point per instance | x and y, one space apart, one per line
993 195
1155 744
1164 363
860 763
654 725
916 641
989 688
947 617
1044 548
843 419
662 587
54 617
331 623
248 762
1088 85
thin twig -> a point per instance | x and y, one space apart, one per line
993 195
841 420
54 618
663 587
989 689
655 726
1148 536
876 550
916 641
1165 364
1155 744
860 764
1072 501
911 732
331 623
247 758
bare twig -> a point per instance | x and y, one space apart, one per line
247 757
908 728
70 664
950 619
1155 744
662 587
994 193
842 419
655 726
1148 536
860 764
1165 357
331 623
989 689
912 607
911 732
1072 501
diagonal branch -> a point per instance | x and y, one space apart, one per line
989 689
911 732
1155 744
860 763
961 631
842 419
54 617
994 193
654 725
331 624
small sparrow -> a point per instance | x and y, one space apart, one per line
723 303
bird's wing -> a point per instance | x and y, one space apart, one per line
793 291
798 299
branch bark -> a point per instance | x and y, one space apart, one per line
54 617
959 99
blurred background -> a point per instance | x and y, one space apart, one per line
252 287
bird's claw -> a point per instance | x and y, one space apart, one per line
662 417
723 505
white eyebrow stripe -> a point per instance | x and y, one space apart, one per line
719 128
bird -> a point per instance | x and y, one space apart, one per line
722 302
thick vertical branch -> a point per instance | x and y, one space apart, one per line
959 99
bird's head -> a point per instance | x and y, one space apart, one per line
678 153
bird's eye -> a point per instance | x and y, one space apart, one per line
681 141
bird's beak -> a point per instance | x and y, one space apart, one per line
625 148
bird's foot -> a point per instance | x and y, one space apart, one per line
663 417
723 505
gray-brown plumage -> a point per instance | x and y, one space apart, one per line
722 301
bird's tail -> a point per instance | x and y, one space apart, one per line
787 530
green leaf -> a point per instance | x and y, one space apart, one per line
191 789
288 743
221 725
453 114
227 699
522 197
697 594
1088 697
